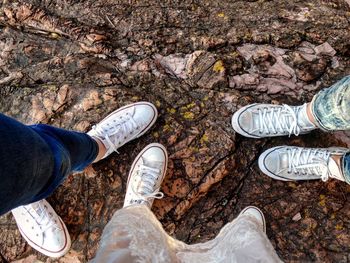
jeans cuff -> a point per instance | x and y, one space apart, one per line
345 167
314 114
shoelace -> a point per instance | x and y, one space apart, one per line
148 176
42 217
120 129
279 120
309 161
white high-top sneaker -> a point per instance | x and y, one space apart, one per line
257 214
269 120
124 124
42 228
146 176
290 163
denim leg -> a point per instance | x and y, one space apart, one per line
81 148
36 159
27 164
346 167
331 106
73 151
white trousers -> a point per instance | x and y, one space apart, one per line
135 235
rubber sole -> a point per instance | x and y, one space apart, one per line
263 167
53 254
235 123
260 212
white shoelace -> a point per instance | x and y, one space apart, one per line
309 161
279 120
148 177
42 217
115 134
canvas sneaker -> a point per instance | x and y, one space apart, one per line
290 163
42 228
124 125
269 120
146 175
257 214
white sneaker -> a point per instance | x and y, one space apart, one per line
290 163
42 228
124 125
146 175
257 214
269 120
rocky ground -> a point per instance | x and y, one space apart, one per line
70 62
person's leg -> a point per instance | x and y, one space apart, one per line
134 234
27 164
242 240
127 239
72 151
330 107
328 111
35 159
34 146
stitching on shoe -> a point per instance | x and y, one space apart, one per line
271 171
65 234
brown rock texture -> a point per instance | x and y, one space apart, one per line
69 63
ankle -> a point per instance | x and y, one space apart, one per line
336 167
337 159
101 149
310 115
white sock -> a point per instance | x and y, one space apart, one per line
335 170
303 118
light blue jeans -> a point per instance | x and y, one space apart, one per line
331 109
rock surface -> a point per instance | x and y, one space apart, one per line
68 63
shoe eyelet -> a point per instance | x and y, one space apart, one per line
124 137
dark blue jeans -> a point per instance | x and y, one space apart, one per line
34 160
